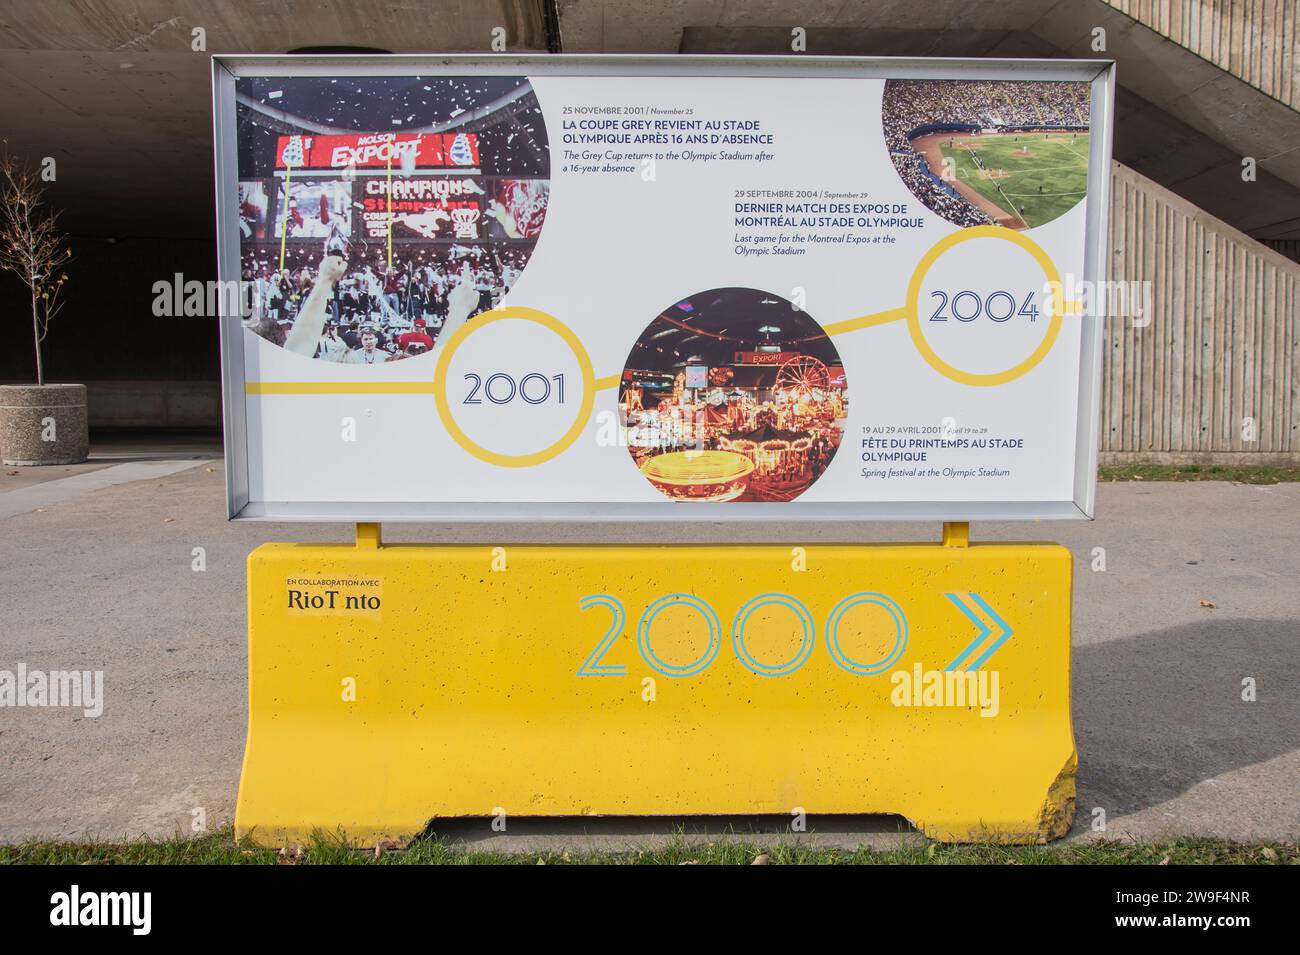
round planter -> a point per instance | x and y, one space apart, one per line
43 424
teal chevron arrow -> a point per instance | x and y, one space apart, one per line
1004 631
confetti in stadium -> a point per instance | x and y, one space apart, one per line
379 213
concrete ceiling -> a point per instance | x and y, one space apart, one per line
112 90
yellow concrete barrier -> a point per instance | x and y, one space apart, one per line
389 685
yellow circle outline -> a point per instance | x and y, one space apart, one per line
914 314
551 324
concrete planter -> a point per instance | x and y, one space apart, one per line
32 415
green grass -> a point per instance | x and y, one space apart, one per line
220 848
1055 164
1195 472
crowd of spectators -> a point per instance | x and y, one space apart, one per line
914 107
403 307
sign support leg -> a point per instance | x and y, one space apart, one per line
956 534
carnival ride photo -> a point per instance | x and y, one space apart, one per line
733 394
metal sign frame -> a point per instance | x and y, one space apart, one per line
1100 73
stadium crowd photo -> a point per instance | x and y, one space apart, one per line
981 152
403 309
363 246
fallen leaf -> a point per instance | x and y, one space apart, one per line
289 855
1208 603
1164 861
1268 853
760 859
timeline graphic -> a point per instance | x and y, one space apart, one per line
1016 301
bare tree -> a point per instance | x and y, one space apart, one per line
31 245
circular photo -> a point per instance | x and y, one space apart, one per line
378 214
1012 153
733 395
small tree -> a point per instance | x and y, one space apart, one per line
31 245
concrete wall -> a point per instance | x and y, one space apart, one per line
150 404
107 330
140 369
1222 345
1257 41
154 404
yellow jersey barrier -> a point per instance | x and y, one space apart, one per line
394 685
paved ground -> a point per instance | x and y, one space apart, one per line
98 576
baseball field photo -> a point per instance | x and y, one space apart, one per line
1008 153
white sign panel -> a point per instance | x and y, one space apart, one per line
661 288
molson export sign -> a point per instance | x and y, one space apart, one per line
764 357
378 151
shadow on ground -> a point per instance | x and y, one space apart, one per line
1184 720
612 832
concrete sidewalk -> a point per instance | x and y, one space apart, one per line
101 579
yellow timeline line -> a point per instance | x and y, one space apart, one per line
867 321
338 387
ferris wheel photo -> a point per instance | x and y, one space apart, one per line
803 377
733 394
